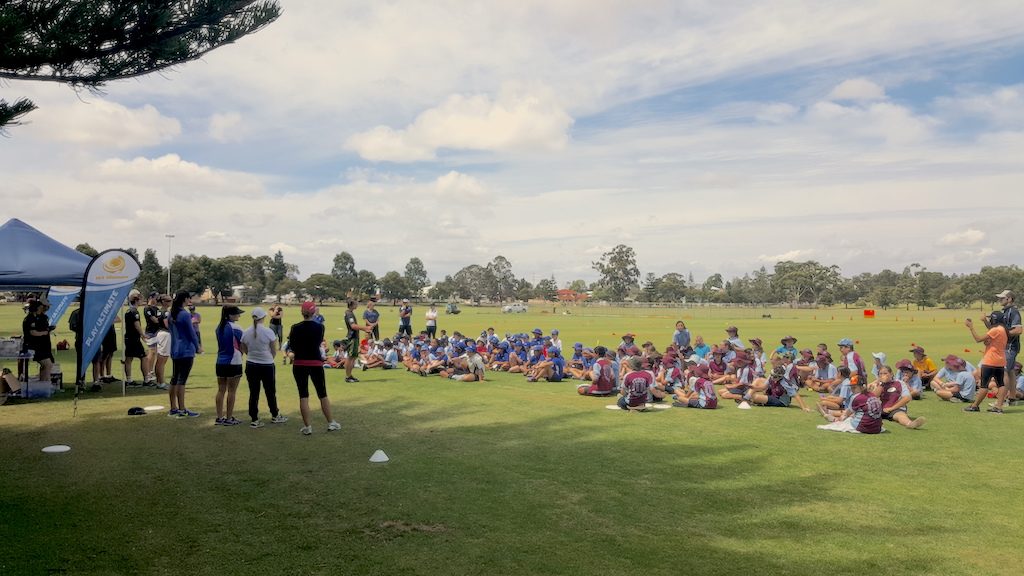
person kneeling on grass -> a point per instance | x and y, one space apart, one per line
602 376
864 416
701 394
637 386
955 382
895 395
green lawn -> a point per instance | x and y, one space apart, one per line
508 477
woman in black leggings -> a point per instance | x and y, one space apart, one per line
304 341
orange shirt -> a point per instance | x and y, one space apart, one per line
925 365
995 350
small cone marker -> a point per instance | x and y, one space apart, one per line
379 457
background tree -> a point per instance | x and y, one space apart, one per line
152 276
619 273
365 285
415 277
344 270
86 43
86 249
323 287
502 280
547 289
394 286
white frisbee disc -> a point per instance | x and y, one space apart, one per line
613 407
57 449
153 408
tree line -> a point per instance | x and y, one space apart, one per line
807 283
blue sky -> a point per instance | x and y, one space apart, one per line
709 137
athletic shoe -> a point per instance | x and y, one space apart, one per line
219 421
132 384
189 413
279 419
351 380
256 424
306 430
365 368
333 426
175 414
955 400
995 410
161 386
232 421
971 409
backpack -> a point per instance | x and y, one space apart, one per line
74 321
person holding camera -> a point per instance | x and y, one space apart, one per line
993 363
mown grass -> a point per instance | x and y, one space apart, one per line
507 477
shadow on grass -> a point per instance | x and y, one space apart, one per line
486 486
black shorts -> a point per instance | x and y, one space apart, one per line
990 372
229 370
134 349
303 374
40 355
891 416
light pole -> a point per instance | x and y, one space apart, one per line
169 237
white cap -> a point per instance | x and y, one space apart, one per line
880 355
259 313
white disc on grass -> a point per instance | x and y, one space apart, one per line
57 449
659 405
153 408
613 407
379 457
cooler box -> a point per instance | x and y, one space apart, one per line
37 389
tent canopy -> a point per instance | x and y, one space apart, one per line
30 259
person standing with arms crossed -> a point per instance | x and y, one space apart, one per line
184 347
304 340
1012 322
372 318
431 321
405 318
352 340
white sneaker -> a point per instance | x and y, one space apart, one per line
161 386
256 424
307 430
279 419
333 426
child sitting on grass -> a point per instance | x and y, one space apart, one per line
864 416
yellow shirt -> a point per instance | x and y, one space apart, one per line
924 365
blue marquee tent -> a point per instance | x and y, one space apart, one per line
31 260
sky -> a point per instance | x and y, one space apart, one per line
708 136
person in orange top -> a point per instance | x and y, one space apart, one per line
993 363
926 369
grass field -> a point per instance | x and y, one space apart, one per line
508 477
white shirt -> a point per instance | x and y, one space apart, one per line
431 317
258 342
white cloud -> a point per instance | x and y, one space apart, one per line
171 172
1001 106
102 124
283 247
857 89
512 122
213 235
969 237
796 255
226 127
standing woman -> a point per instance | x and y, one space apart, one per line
260 344
229 364
372 318
993 364
431 322
184 347
276 324
304 341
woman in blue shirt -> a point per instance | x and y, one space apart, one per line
184 347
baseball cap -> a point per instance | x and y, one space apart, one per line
880 355
845 342
538 331
259 313
236 311
136 411
554 330
1005 294
578 345
917 350
405 300
308 307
